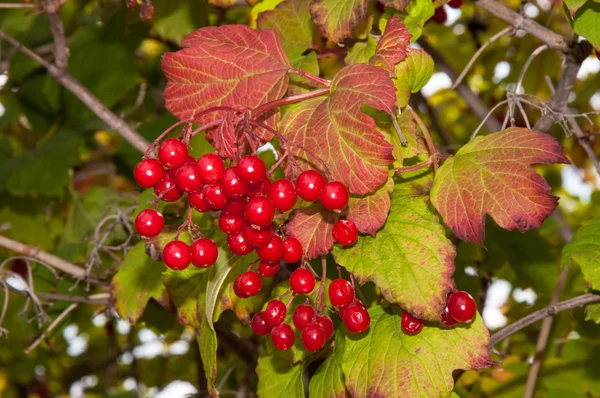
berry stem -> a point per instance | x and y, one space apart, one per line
264 108
418 166
309 76
278 162
204 127
321 296
162 135
432 149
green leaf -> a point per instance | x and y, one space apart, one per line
185 288
328 380
384 361
278 378
361 52
592 313
337 19
414 17
260 7
412 74
584 250
574 5
299 84
587 22
410 259
207 339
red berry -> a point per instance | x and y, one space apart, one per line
327 324
132 4
313 337
334 196
146 10
261 189
198 201
238 245
303 315
356 318
282 194
251 169
204 252
411 324
215 196
455 3
341 292
439 16
259 211
257 236
167 190
247 284
232 185
235 207
187 179
149 223
148 173
272 250
172 153
210 168
447 319
268 268
345 232
302 281
597 54
461 306
259 326
342 310
191 160
176 255
230 224
292 250
283 337
275 312
309 185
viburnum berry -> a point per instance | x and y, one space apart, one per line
345 232
172 153
309 185
232 185
210 168
597 54
238 245
341 292
167 189
268 268
302 281
251 169
356 318
215 196
187 178
302 316
148 173
261 189
411 324
283 337
132 4
247 284
327 324
176 255
198 201
275 312
230 224
455 3
259 326
439 16
203 252
272 250
146 10
259 211
461 306
258 236
447 319
149 223
342 310
334 196
282 194
292 250
313 337
235 207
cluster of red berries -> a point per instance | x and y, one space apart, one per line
440 16
460 307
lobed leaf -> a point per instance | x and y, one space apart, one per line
412 74
584 250
184 288
278 378
312 226
361 52
393 46
369 212
207 339
586 22
337 19
415 15
328 380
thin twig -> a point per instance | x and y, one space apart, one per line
18 5
58 319
430 145
58 33
96 299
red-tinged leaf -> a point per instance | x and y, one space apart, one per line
223 137
312 226
336 19
399 5
492 175
393 45
335 129
230 65
370 212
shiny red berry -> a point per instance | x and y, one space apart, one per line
261 189
282 194
167 189
439 16
411 324
230 224
259 211
187 179
334 196
198 201
356 318
257 236
447 319
309 185
275 312
341 292
204 252
149 223
283 337
148 173
462 307
272 250
210 168
455 3
172 153
232 185
247 284
268 268
176 255
235 207
292 250
313 337
215 196
251 169
327 324
303 315
345 232
302 281
342 310
259 326
238 245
